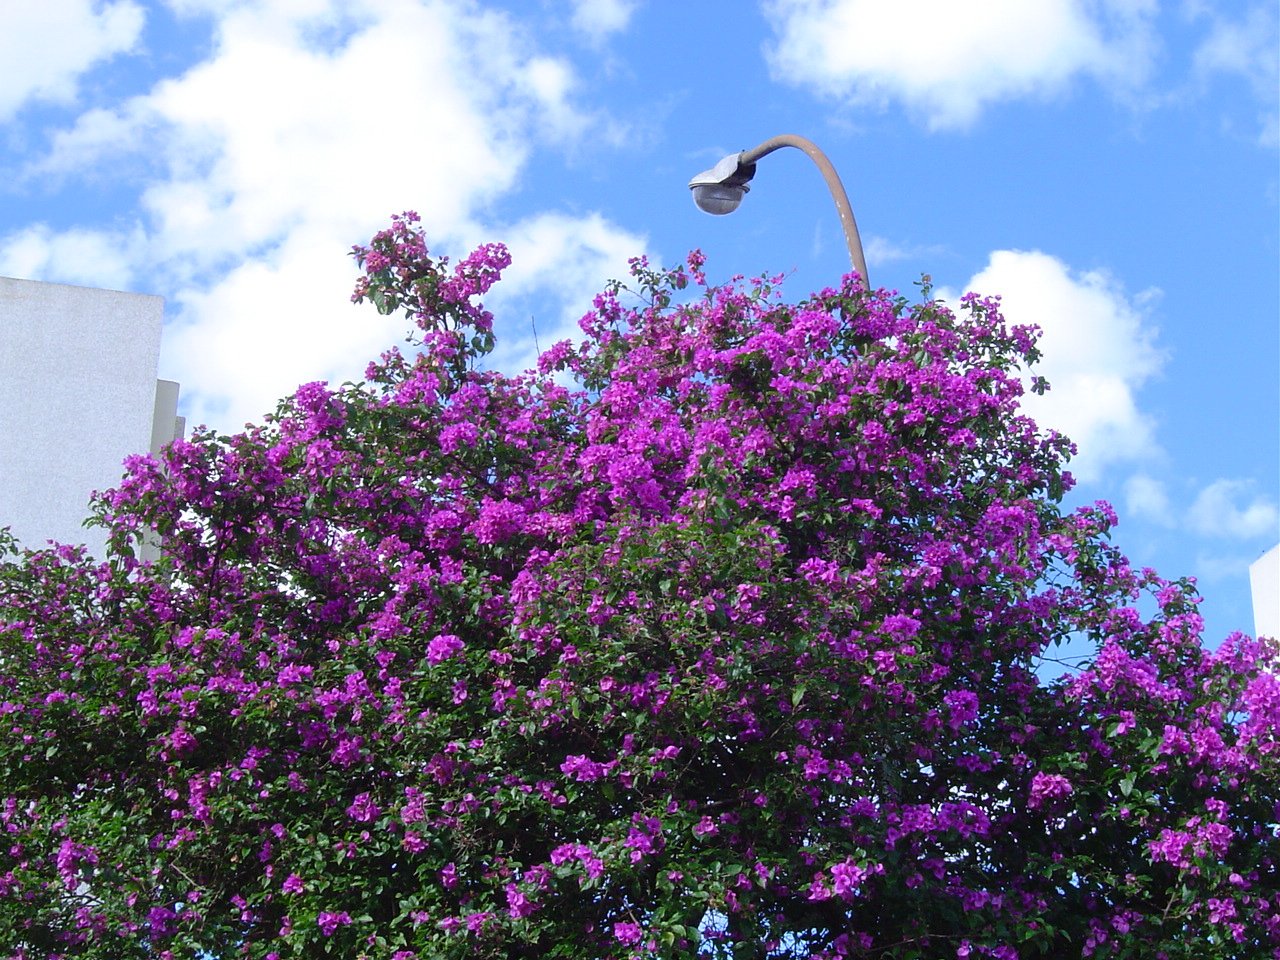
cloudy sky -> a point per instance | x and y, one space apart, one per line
1108 166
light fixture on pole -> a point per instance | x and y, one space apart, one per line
720 190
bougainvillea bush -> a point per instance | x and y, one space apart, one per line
716 635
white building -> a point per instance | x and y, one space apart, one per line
1264 579
78 393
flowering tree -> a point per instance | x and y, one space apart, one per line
715 636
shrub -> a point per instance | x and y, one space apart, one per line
715 635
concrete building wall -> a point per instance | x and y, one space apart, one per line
78 393
1264 579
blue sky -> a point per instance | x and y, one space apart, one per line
1108 166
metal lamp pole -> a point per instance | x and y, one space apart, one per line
719 190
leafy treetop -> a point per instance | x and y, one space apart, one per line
717 635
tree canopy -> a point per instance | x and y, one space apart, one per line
716 635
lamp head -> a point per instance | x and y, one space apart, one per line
719 190
717 198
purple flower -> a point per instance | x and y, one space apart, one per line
293 673
499 520
161 922
518 905
962 706
846 879
593 865
449 876
70 855
183 742
583 768
624 931
363 809
645 838
1046 787
330 921
443 647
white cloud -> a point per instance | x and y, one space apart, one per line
947 60
45 46
881 250
78 256
98 134
1249 48
310 122
1098 348
1218 512
599 18
1242 47
284 318
557 261
1147 498
1222 568
423 104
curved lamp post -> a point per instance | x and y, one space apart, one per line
719 190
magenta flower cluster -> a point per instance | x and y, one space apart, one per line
1047 787
716 635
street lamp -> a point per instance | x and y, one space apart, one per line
719 190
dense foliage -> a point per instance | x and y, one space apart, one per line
717 635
